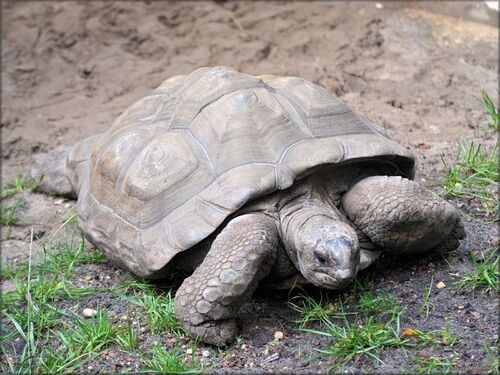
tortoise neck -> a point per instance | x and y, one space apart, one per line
297 206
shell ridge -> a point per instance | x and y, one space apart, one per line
287 149
111 212
276 177
216 206
169 234
335 114
121 178
183 98
292 107
344 148
204 151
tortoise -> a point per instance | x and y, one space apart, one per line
245 181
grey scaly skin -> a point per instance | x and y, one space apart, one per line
302 230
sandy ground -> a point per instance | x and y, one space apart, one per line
70 68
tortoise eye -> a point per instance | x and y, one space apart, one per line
320 258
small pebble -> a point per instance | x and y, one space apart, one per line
278 335
476 314
205 353
379 6
441 285
59 202
189 351
89 313
461 307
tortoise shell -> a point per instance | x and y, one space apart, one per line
179 161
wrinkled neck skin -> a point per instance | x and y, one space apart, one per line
323 189
304 203
298 205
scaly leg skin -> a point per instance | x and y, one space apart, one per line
368 252
51 169
64 167
401 216
242 254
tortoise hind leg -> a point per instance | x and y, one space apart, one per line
62 169
242 254
401 216
51 170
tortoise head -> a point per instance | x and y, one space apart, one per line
326 252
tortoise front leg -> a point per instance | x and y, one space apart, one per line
242 254
402 217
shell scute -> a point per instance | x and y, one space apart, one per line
248 126
110 164
168 172
204 86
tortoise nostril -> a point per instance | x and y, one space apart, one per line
337 261
324 260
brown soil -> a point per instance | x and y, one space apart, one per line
70 68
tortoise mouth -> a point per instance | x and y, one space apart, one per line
327 278
332 282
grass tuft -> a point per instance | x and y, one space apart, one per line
475 175
29 329
20 183
486 275
62 258
159 308
89 336
61 361
49 280
10 213
364 335
127 337
352 340
30 313
427 307
170 362
491 110
310 310
492 354
434 365
370 304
